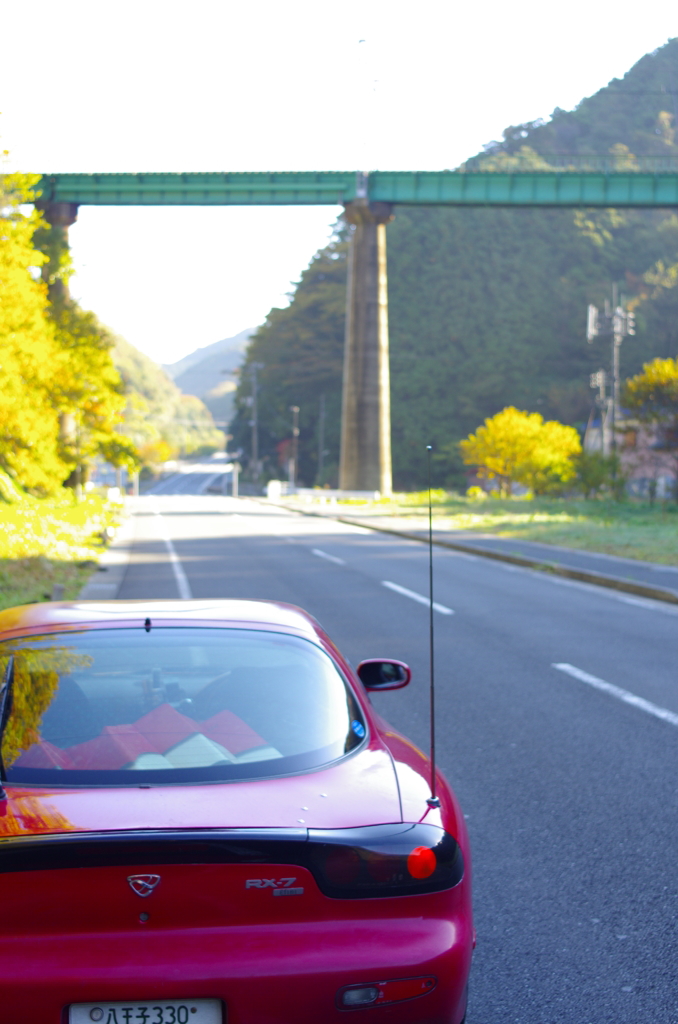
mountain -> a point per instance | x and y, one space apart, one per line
202 373
487 307
157 409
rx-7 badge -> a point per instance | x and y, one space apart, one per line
143 885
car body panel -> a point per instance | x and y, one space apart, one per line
265 974
34 618
84 935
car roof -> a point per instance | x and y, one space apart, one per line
51 616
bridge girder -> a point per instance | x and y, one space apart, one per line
637 188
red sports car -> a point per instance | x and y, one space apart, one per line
204 820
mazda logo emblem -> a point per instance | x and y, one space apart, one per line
143 885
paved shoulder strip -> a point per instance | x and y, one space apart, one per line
417 597
616 691
114 564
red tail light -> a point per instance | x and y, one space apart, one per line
422 862
384 860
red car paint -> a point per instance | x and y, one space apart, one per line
78 935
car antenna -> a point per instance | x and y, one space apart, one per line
5 708
433 800
147 625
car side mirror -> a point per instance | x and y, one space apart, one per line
378 674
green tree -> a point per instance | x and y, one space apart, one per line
597 472
519 447
300 349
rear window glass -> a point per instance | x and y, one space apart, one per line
126 706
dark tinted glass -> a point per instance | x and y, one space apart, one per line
126 706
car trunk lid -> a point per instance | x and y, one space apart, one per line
360 790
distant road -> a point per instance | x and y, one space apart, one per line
558 727
194 478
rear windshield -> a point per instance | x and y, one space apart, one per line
126 706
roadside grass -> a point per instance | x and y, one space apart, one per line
629 529
49 542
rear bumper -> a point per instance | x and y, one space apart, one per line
265 974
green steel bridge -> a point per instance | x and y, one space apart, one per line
591 182
368 201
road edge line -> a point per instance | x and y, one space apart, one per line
582 575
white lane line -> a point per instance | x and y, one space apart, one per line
179 574
330 558
417 597
616 691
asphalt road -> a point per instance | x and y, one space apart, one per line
570 788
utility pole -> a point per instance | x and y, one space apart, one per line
254 422
599 380
321 440
616 323
294 409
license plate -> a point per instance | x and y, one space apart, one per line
155 1011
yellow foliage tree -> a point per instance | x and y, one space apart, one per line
88 389
29 352
653 397
519 447
62 397
653 394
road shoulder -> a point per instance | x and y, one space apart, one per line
107 579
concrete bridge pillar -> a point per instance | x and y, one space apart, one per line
60 216
365 463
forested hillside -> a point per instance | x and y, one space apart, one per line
488 306
161 420
300 353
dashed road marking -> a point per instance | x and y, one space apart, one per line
177 568
417 597
330 558
616 691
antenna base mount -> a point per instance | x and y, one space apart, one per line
433 801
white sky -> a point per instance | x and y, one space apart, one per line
144 85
